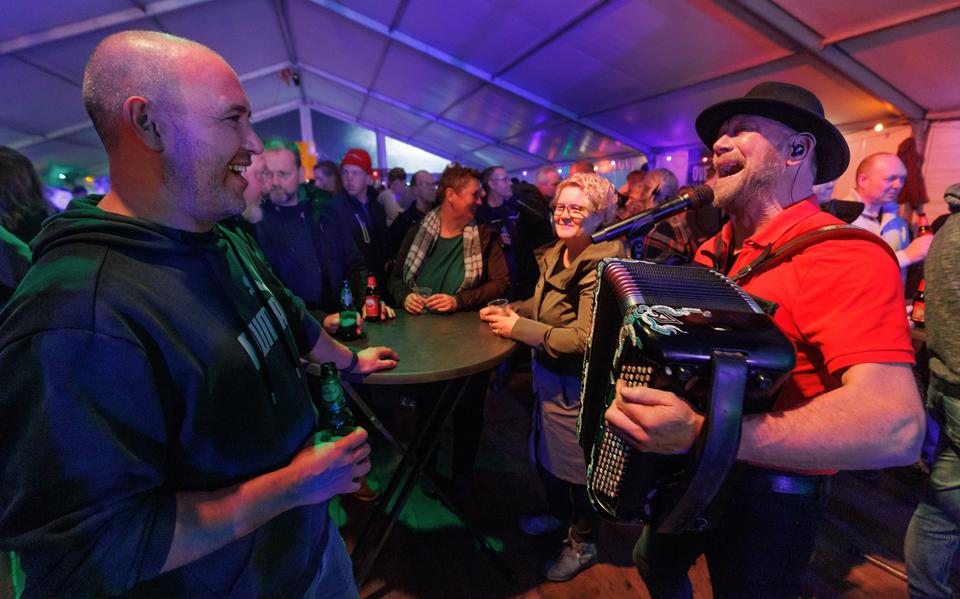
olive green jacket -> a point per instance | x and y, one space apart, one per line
556 320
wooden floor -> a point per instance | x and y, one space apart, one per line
430 554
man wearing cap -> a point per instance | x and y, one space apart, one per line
933 536
951 198
851 401
358 210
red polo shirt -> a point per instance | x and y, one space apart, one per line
840 301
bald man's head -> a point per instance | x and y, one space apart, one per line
880 178
175 122
148 64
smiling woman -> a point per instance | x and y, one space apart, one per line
555 322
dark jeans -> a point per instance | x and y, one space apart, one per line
467 419
933 537
569 503
761 547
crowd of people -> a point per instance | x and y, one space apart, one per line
152 339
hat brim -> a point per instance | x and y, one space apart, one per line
833 154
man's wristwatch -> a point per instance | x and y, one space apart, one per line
354 360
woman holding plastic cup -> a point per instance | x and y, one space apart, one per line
555 322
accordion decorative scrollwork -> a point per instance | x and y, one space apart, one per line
692 331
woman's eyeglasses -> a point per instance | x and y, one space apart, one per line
573 210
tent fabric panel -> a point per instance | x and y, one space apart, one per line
400 121
420 80
439 136
58 152
412 158
241 25
500 114
330 94
668 121
493 155
9 136
339 45
87 137
567 142
381 10
486 34
830 18
34 100
940 167
41 15
286 125
68 57
334 137
892 54
270 91
605 62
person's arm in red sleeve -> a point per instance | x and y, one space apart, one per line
854 314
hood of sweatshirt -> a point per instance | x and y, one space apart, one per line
84 222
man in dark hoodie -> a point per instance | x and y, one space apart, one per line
308 250
157 438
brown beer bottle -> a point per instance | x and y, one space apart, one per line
917 316
371 300
923 228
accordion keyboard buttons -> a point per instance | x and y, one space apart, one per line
614 452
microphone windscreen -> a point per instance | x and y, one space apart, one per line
700 195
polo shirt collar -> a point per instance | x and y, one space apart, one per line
775 229
783 222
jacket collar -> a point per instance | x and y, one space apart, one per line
549 255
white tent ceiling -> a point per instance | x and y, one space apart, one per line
517 82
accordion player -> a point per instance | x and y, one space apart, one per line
692 331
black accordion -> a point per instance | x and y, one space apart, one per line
688 330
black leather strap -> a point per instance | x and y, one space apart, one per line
715 451
771 256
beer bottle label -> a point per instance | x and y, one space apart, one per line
371 307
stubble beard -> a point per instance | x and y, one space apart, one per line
733 194
197 191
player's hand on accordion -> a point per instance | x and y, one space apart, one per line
652 420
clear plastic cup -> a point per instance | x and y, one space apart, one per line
501 305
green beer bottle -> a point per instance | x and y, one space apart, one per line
336 419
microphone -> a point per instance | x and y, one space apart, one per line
687 198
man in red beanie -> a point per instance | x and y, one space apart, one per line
357 209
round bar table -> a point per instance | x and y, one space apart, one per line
432 348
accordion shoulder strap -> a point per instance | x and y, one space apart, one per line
771 256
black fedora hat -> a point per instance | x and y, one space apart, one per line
791 105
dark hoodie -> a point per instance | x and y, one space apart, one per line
139 361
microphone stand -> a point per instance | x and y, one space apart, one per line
636 236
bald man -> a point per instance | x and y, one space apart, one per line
158 438
880 178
